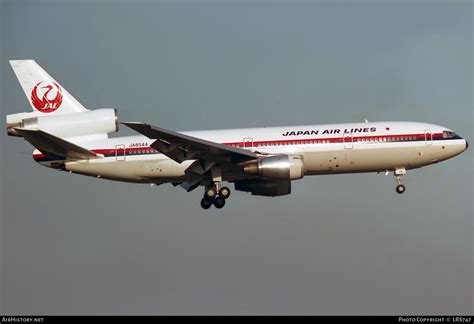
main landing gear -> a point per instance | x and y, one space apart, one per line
215 196
398 174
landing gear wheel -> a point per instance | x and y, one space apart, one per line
206 203
219 202
400 189
210 193
224 192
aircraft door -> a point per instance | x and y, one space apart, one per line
247 142
120 152
428 137
347 139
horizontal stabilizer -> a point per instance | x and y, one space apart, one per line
55 147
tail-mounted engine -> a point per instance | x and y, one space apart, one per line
281 167
92 122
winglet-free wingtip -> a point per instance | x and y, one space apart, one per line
20 60
15 63
23 131
132 123
135 125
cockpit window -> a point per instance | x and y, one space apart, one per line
448 134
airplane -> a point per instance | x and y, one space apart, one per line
261 161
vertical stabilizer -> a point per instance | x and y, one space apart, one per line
44 94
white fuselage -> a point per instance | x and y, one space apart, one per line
326 149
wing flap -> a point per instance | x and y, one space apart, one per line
56 147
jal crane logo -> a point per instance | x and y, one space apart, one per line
47 97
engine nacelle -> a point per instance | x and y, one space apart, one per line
100 121
264 187
281 167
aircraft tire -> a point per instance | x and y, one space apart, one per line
400 189
210 193
219 202
206 203
224 192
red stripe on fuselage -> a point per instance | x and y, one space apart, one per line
295 141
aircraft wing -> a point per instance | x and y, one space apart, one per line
180 147
55 147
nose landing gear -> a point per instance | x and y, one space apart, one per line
398 174
215 196
400 189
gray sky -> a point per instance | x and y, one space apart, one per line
345 244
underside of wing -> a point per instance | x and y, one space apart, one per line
180 147
212 160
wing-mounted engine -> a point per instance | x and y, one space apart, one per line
92 122
264 187
278 167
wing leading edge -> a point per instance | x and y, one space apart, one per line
55 147
180 147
